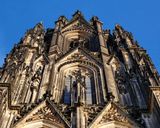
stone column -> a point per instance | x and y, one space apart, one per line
111 84
48 78
103 85
56 36
80 120
45 80
22 82
5 119
97 88
11 116
100 31
20 87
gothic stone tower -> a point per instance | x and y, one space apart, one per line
78 75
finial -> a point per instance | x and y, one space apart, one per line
62 17
118 26
77 13
41 22
94 18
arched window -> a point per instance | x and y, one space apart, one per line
73 44
76 43
93 90
88 91
70 91
67 93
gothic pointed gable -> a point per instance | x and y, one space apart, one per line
154 94
113 114
78 23
80 54
46 111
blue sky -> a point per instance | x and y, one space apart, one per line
141 17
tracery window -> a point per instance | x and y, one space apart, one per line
83 90
76 43
88 91
67 90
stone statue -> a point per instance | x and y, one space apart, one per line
35 83
79 89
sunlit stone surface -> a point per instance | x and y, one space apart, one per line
77 75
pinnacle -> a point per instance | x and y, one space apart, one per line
77 14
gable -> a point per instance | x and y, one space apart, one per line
42 115
78 24
78 28
112 114
79 55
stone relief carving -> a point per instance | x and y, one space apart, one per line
15 61
46 114
91 112
113 115
78 26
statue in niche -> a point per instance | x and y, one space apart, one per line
33 93
121 83
34 85
79 88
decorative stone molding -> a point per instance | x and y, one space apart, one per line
7 86
44 111
112 113
155 91
46 114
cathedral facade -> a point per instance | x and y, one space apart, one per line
77 75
